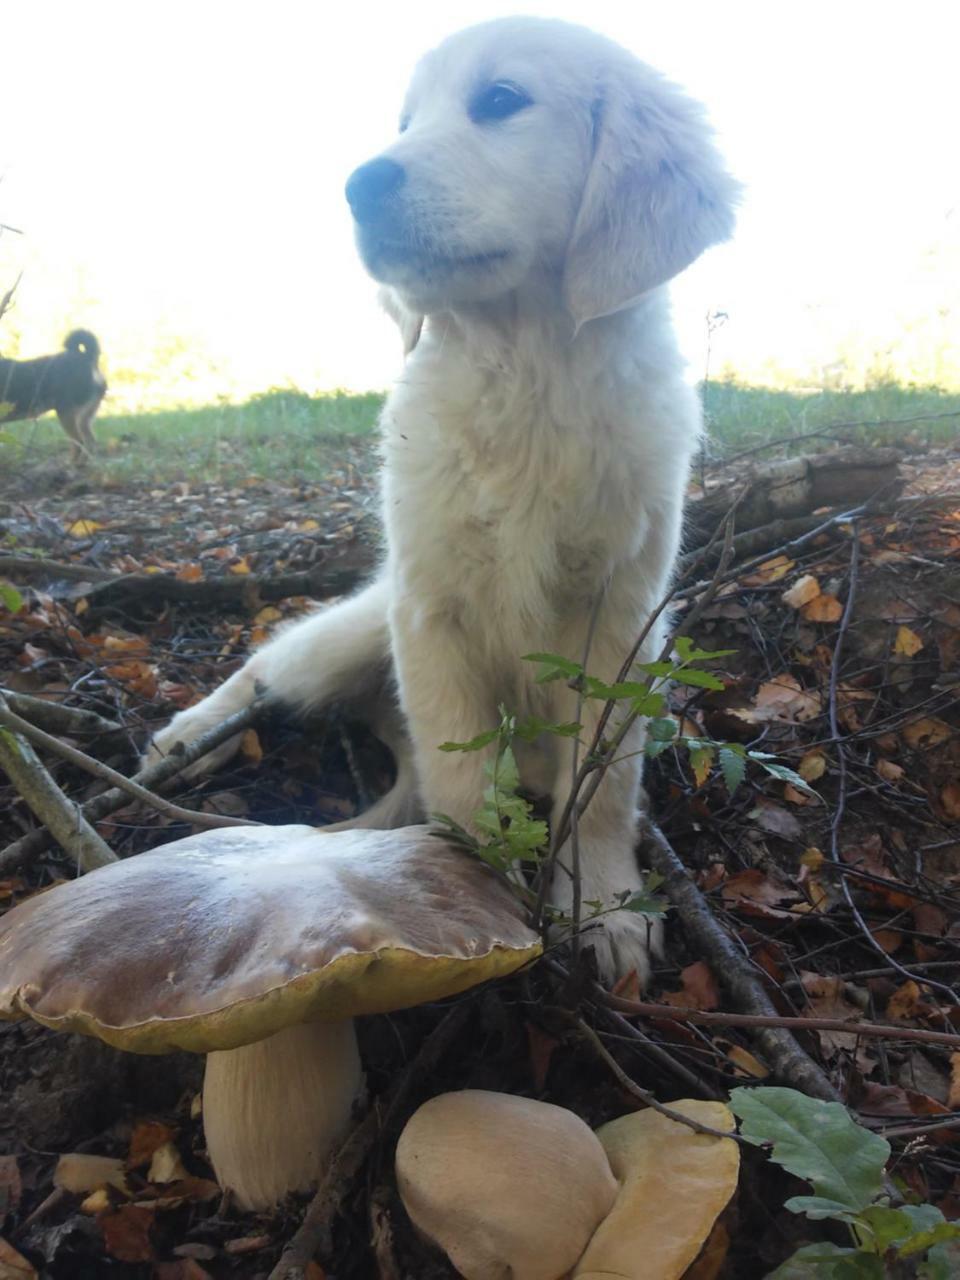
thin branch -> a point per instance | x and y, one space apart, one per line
57 718
102 771
63 819
154 775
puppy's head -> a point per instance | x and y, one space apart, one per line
528 148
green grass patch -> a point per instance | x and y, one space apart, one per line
289 435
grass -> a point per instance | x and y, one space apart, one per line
288 435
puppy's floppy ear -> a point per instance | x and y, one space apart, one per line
656 194
408 322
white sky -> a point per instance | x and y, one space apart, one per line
179 167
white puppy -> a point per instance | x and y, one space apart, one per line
544 187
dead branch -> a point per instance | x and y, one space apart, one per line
790 1063
63 819
796 487
102 771
153 776
56 718
31 567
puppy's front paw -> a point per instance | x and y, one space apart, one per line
622 940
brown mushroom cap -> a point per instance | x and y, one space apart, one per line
226 937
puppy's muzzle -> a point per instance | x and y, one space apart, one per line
371 190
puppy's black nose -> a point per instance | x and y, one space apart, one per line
369 186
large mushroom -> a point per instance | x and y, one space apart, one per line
257 946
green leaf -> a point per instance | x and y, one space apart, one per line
822 1262
475 744
664 730
532 728
943 1263
733 762
785 775
613 692
10 597
554 667
658 669
815 1140
699 679
819 1207
688 652
941 1233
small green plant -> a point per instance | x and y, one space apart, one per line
512 840
845 1163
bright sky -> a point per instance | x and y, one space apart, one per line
178 169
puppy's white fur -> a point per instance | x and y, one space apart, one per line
536 448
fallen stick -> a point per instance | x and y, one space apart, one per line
153 776
136 790
63 820
790 1063
56 718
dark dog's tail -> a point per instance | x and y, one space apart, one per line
83 343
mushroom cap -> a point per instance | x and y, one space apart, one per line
506 1186
674 1183
226 937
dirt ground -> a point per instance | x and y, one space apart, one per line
846 666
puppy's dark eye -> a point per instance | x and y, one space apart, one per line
498 101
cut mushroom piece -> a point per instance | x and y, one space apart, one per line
267 937
674 1183
505 1186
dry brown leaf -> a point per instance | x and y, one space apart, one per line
190 573
950 799
904 1001
13 1265
699 989
96 1202
889 771
126 1233
144 1141
776 819
240 567
83 528
754 892
540 1047
783 698
802 592
166 1165
712 1256
269 613
823 608
246 1244
907 642
770 571
926 732
812 766
826 998
953 1099
250 747
745 1064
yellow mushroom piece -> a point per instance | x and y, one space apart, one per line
674 1183
509 1188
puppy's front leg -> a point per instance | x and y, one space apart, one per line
444 700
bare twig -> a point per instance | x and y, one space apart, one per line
829 429
97 769
155 775
56 718
63 819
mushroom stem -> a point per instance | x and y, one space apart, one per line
274 1110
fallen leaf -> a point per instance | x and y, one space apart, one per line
770 571
826 998
96 1202
802 592
950 799
241 566
269 613
250 747
80 1173
754 892
776 819
889 771
783 698
190 573
166 1165
823 608
699 989
144 1141
904 1001
953 1099
13 1265
83 528
926 732
182 1269
812 766
247 1244
907 642
745 1063
126 1233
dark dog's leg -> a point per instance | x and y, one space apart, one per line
85 419
70 420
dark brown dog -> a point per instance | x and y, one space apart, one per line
70 383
